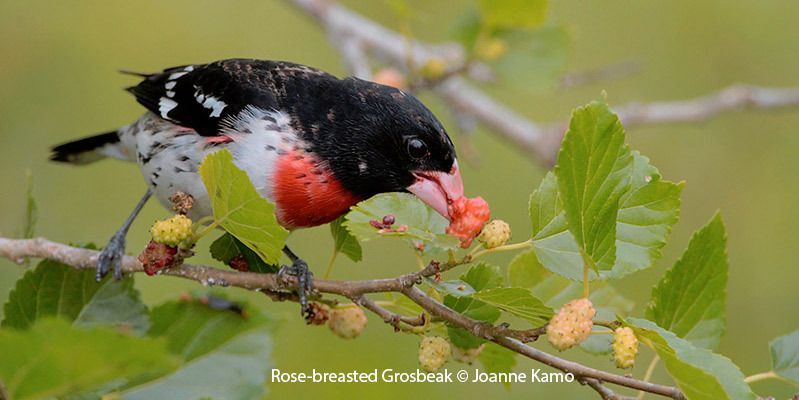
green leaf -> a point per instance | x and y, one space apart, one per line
785 356
52 359
497 359
239 209
554 245
422 222
517 301
593 171
690 299
455 287
225 354
31 209
474 309
508 14
698 372
344 242
483 276
646 214
55 289
538 57
555 290
226 247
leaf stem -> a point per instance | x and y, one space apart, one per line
508 247
648 374
761 376
330 263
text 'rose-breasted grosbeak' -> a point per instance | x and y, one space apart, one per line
311 143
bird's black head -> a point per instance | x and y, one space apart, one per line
380 139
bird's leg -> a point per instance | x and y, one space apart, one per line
112 253
304 276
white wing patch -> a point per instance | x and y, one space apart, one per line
210 102
165 105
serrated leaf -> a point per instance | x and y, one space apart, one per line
497 359
593 172
554 245
226 247
785 356
690 299
52 359
508 14
539 57
454 287
483 276
517 301
698 372
422 222
344 242
240 209
55 289
646 214
555 290
225 354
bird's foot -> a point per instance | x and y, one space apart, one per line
300 270
111 257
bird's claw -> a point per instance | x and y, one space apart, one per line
111 256
300 270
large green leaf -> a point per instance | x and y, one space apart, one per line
224 354
422 222
52 359
482 276
785 356
513 13
344 242
497 359
555 290
239 209
554 245
227 247
55 289
646 214
690 299
593 170
517 301
698 372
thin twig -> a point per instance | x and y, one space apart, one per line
603 391
17 249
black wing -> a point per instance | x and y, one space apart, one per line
202 96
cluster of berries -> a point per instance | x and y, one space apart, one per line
169 237
496 233
467 218
434 351
345 322
386 225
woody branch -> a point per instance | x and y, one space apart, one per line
541 140
17 250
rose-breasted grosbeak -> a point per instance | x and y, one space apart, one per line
311 143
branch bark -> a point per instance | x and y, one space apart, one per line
541 140
18 249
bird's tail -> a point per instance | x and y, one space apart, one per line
87 150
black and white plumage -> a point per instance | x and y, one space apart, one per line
311 143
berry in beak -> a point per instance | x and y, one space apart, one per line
438 189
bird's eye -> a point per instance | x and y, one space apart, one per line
417 149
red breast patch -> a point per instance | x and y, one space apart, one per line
306 192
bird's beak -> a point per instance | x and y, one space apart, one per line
438 189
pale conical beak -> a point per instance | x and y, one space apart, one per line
438 189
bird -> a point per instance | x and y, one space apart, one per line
311 143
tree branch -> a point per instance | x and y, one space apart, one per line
539 139
18 249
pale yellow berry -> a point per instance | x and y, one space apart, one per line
347 322
494 234
491 49
433 69
571 325
625 347
173 231
434 351
466 356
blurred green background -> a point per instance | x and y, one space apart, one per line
58 81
